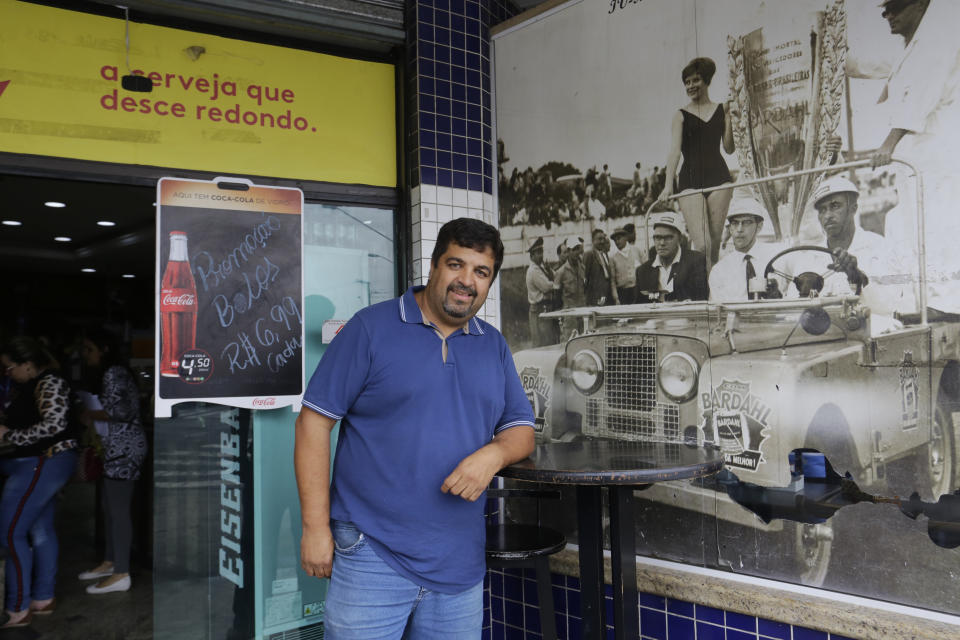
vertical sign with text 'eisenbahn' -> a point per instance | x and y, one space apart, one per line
229 294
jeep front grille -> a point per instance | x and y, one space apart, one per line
626 406
631 374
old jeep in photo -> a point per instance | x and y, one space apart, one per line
766 381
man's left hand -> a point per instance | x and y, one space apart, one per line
473 475
847 263
884 155
881 157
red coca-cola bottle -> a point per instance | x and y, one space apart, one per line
178 307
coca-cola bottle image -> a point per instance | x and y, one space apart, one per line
178 307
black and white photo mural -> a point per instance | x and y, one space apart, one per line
731 223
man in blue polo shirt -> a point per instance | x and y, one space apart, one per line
431 407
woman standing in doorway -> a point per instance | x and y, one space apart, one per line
125 447
697 132
36 422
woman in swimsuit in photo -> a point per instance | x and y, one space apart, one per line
697 132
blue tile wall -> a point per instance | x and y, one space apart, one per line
449 118
772 629
808 634
511 613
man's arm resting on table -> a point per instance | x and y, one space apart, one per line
311 460
474 473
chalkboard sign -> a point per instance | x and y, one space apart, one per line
229 294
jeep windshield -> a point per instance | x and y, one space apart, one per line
734 326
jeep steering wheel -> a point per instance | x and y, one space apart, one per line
806 281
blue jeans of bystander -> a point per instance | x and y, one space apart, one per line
368 600
26 523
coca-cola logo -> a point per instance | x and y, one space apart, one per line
179 300
264 402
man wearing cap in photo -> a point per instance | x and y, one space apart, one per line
541 296
599 274
570 278
879 267
623 266
738 275
920 92
674 273
920 101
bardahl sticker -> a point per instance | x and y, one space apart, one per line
538 393
737 421
909 393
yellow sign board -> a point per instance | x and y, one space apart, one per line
217 104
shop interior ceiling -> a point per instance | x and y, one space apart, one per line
128 247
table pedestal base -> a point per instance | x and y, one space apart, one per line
622 467
626 621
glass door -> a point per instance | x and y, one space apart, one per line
348 264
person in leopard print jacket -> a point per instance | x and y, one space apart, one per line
37 423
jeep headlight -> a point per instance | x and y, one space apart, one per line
678 376
587 371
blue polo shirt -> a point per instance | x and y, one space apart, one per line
408 417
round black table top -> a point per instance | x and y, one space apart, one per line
615 462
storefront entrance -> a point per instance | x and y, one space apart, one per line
216 512
219 528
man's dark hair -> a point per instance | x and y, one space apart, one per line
703 67
472 234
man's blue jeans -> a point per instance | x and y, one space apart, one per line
368 600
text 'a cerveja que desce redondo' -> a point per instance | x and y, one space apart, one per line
213 89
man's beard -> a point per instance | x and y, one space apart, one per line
453 311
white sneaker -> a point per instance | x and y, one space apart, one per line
123 584
93 575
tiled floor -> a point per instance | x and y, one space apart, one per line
79 616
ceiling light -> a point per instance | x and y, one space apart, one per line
106 223
12 223
88 270
129 275
368 222
54 205
63 238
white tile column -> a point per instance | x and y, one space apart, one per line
431 207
